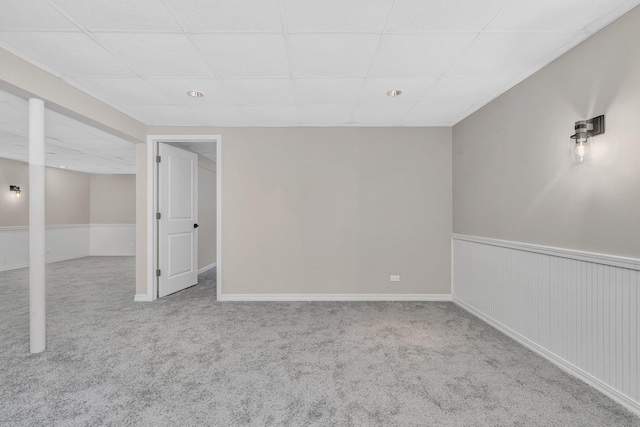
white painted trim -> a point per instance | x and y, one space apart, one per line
334 297
142 298
558 361
151 221
14 228
56 226
613 260
219 217
207 268
53 226
152 196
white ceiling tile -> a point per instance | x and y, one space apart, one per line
63 130
217 115
120 14
122 90
8 98
509 54
332 55
341 54
176 90
443 15
465 90
6 134
245 55
434 115
15 114
380 115
69 54
324 115
271 115
157 55
335 15
227 15
260 91
32 14
418 55
375 90
161 115
328 91
68 142
551 15
623 6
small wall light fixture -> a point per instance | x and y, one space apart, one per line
16 189
581 140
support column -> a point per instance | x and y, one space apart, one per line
36 227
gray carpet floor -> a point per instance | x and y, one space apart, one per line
187 360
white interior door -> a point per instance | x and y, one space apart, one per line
178 223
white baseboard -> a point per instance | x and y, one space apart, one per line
334 297
142 298
207 268
561 363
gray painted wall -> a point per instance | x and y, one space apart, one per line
113 199
334 210
512 174
70 197
206 213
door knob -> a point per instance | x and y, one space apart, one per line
195 225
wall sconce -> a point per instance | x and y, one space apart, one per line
16 189
581 140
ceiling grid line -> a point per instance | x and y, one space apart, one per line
213 71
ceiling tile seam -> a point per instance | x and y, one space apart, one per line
213 72
89 92
612 16
373 59
30 59
90 35
174 16
117 57
40 30
287 46
74 82
465 50
319 33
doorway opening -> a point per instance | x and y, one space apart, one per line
183 230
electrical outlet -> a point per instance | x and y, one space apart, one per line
394 278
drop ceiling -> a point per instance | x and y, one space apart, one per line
68 142
298 63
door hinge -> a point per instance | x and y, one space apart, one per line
158 159
158 215
158 272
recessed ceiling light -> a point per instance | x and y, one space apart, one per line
195 93
62 166
394 92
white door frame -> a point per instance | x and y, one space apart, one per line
152 203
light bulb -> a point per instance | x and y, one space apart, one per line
18 194
581 150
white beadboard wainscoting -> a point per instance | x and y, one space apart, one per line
577 309
66 242
113 239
